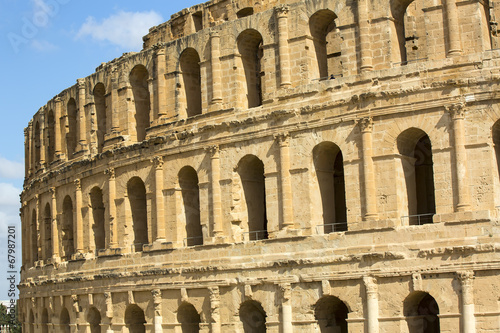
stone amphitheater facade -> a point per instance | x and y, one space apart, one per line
274 166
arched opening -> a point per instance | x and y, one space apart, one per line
34 237
136 192
64 321
31 322
415 148
71 136
45 321
94 320
47 241
250 46
495 133
67 229
98 209
331 314
251 172
188 182
329 166
37 144
100 110
134 319
327 44
421 312
51 126
139 81
253 317
189 318
191 79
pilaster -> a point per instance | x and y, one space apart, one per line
283 48
366 126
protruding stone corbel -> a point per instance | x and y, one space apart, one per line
416 279
184 295
76 305
109 304
326 288
157 300
248 291
130 298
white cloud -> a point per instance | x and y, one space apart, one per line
124 29
11 169
9 196
43 45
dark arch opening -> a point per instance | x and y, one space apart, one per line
327 43
98 210
250 46
191 77
45 321
94 320
251 172
421 311
37 145
101 114
72 121
136 192
67 229
34 237
189 318
329 166
47 221
51 147
134 319
253 317
331 314
188 182
495 133
64 321
139 81
415 147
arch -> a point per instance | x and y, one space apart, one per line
37 144
250 47
327 44
67 229
495 134
94 320
47 229
72 121
421 313
253 317
64 321
331 314
189 62
134 319
329 166
189 318
101 114
251 172
98 210
188 182
31 322
45 321
51 136
139 77
415 148
136 192
34 237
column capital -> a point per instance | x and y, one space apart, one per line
214 33
214 298
78 184
214 151
286 291
156 297
465 277
456 110
366 124
80 83
52 191
370 285
283 139
111 173
282 11
157 162
76 306
58 100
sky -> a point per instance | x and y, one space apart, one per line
46 45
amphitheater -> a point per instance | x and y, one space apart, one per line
274 166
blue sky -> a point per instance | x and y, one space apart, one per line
45 46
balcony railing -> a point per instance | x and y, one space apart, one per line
331 227
419 219
255 235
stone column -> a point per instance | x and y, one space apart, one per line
112 226
215 325
55 232
41 226
79 222
467 283
364 37
114 125
57 128
216 67
160 206
286 307
372 304
216 191
366 126
284 52
31 148
109 311
457 112
286 182
42 140
455 47
27 151
81 111
161 70
158 320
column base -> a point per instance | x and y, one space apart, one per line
159 245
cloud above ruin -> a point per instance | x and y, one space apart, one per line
123 29
10 169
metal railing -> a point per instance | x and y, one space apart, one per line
331 227
329 77
255 235
419 219
193 241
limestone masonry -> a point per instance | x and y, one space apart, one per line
274 166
